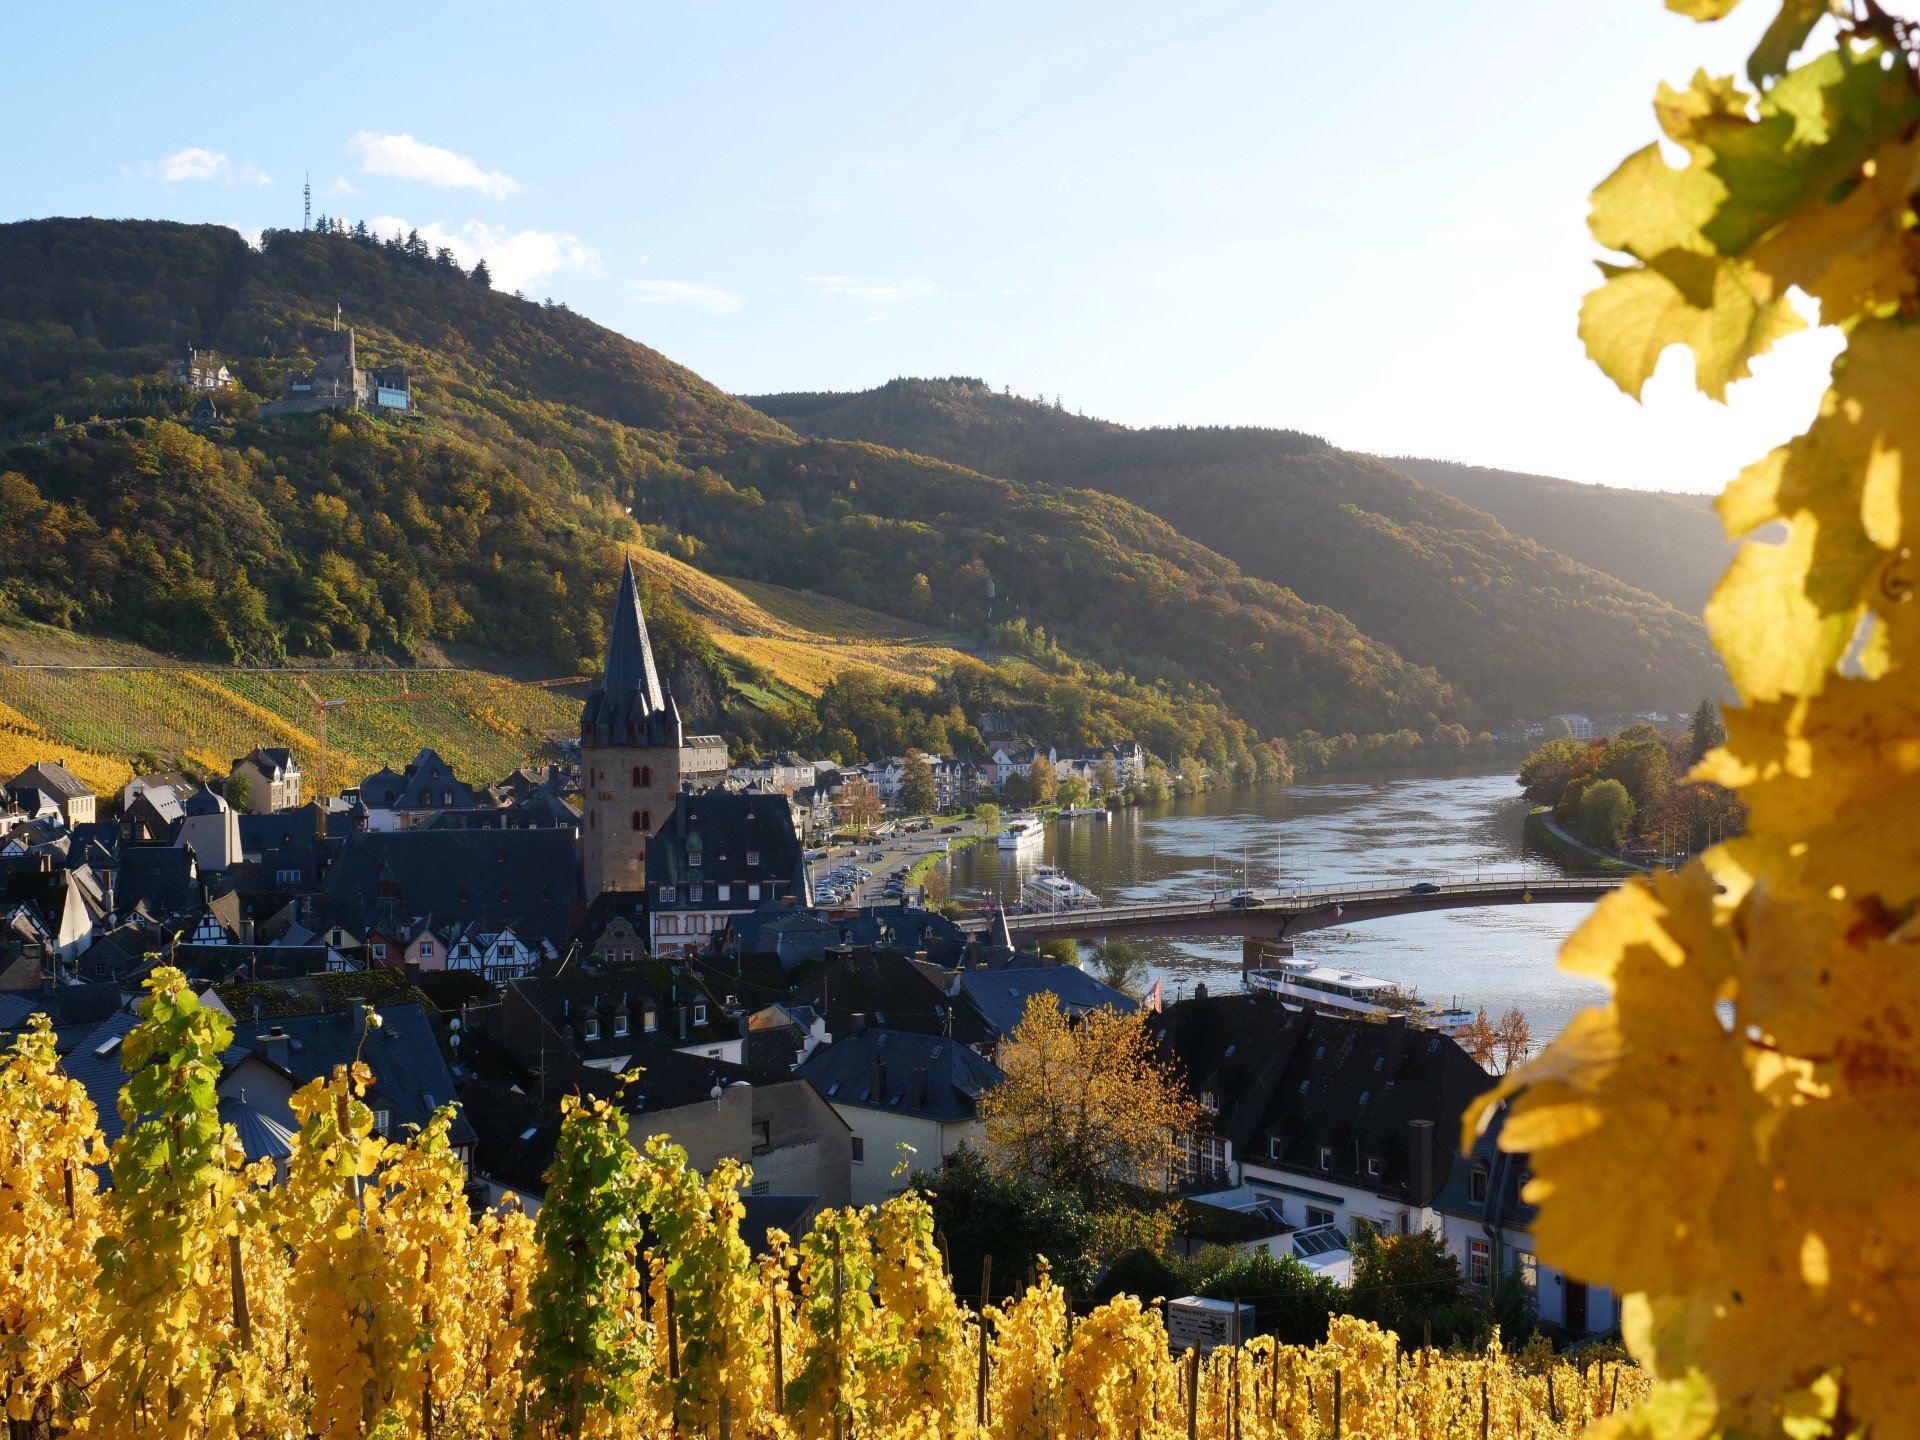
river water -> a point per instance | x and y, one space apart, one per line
1350 828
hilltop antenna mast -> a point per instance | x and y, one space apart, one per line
306 192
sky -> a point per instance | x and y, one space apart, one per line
1362 221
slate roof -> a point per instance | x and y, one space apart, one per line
1315 1080
95 1063
1001 996
955 1076
723 828
428 784
51 777
411 1077
158 877
526 878
1506 1175
891 993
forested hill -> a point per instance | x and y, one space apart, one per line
542 446
1521 627
1668 544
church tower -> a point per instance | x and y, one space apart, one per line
630 744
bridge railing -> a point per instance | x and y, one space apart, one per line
1297 901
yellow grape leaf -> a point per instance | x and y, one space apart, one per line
1775 638
1854 251
1786 34
1681 298
1646 207
1640 1118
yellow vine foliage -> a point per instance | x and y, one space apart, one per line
1734 1140
370 1301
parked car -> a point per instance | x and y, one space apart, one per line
949 829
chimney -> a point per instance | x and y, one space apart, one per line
1396 1045
877 1081
859 1022
1200 990
275 1046
683 1022
1420 1166
917 1086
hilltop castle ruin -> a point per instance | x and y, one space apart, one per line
338 383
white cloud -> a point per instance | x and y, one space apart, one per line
405 158
686 292
342 186
198 163
515 259
873 292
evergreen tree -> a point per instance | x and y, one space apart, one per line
482 275
1708 732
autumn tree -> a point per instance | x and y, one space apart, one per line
1086 1103
988 814
857 806
1119 964
1606 813
1042 780
1513 1037
1479 1037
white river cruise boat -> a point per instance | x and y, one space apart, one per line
1049 890
1021 830
1298 983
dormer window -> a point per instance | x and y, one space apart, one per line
1276 1147
619 1022
1326 1157
1373 1167
649 1020
699 1014
592 1026
1477 1183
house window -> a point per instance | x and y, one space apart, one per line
1477 1183
382 1121
646 775
699 1014
626 957
426 949
666 894
693 856
1275 1147
650 1020
753 857
379 950
1326 1157
446 797
694 893
1529 1268
646 821
723 892
620 1022
636 819
1317 1216
1479 1262
859 1151
753 892
593 1027
636 776
1373 1166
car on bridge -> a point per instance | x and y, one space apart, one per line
1424 887
1245 900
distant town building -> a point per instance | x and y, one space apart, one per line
270 779
50 785
339 383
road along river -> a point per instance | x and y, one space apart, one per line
1357 826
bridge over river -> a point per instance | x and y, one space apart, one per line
1279 916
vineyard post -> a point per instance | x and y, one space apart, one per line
779 1365
673 1339
1483 1407
1553 1410
839 1344
1616 1387
1067 1295
242 1318
1193 1394
980 1389
1336 1403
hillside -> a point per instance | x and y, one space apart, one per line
1520 627
1667 544
543 447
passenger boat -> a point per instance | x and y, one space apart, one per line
1049 889
1021 830
1298 983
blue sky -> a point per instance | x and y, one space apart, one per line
1364 221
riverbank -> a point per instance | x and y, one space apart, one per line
1545 832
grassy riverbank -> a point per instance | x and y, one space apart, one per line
1564 847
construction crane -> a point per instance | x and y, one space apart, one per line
407 696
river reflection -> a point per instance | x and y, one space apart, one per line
1348 829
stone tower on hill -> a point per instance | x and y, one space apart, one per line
630 753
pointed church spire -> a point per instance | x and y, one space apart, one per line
630 652
630 706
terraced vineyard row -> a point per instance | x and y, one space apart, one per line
200 717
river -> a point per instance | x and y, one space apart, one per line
1348 828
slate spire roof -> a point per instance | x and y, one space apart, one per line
630 706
